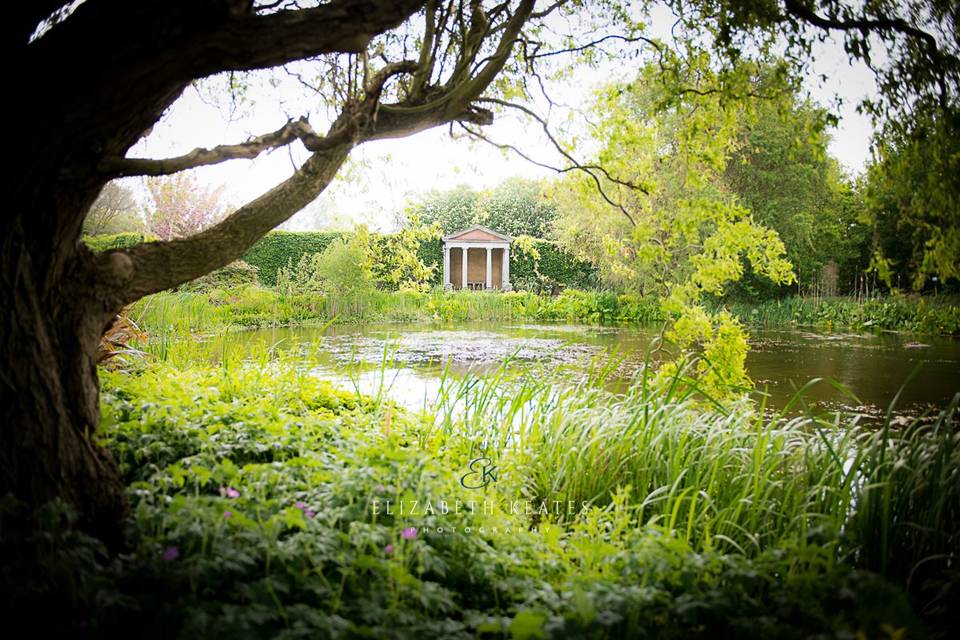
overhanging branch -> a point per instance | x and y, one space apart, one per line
566 154
155 266
587 169
800 10
295 130
940 60
300 129
151 267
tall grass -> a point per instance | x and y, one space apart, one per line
896 313
727 479
186 312
907 516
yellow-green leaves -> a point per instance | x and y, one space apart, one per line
665 141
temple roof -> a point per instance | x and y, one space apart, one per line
477 233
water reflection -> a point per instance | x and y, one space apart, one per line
872 367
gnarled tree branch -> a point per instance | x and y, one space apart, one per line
153 267
156 266
295 130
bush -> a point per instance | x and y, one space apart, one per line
279 248
342 269
236 274
116 241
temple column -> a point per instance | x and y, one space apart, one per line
505 270
446 266
489 268
463 256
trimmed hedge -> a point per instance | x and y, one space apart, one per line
276 248
556 266
116 241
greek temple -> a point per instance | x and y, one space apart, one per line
477 259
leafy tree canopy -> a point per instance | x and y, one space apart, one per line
676 230
780 169
913 198
516 207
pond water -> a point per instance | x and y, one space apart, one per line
873 367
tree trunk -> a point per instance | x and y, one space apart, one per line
49 393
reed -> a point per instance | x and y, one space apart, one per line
731 479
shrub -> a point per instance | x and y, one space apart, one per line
236 274
115 241
279 248
343 269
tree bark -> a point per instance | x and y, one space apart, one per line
113 82
49 393
91 87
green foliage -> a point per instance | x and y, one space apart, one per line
396 257
401 260
676 233
279 248
430 253
782 172
514 207
908 523
518 207
116 241
252 489
221 309
453 210
544 267
235 275
185 312
896 313
344 268
914 202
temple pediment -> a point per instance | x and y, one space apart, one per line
477 233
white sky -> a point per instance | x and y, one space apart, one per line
384 175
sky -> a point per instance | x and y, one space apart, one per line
383 176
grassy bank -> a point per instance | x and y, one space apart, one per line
254 306
259 509
215 310
916 315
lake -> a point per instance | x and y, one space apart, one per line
873 367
